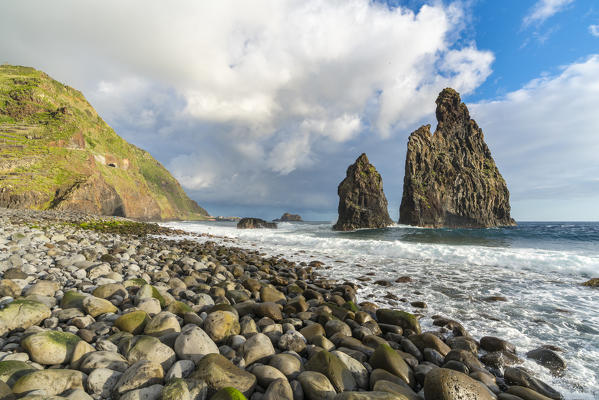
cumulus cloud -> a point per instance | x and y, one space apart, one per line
270 69
544 9
544 138
244 93
594 30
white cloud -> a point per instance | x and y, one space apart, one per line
544 136
544 9
278 74
594 30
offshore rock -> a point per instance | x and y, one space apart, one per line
362 202
450 179
289 217
255 223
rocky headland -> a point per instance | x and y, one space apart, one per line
450 179
56 152
112 309
362 202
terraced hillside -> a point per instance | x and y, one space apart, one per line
57 153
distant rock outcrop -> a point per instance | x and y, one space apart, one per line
57 153
255 223
289 217
362 202
450 178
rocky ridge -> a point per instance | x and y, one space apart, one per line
362 202
57 153
451 180
90 314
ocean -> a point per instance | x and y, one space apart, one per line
537 267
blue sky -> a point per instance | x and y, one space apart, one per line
259 108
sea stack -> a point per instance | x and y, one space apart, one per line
450 179
362 202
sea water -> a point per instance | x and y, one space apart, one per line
537 266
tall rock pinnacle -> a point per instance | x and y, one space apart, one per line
450 177
362 203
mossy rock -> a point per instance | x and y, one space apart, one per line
21 314
399 318
179 308
147 291
150 348
351 306
96 306
52 381
237 296
341 313
12 370
5 392
109 290
51 347
294 288
135 282
133 322
228 393
333 368
175 390
72 299
223 307
220 373
384 357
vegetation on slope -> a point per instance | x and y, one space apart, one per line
56 152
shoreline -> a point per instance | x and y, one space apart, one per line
241 277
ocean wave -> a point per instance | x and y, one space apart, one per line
319 237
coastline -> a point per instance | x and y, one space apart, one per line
225 274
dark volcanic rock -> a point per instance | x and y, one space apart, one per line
289 217
254 223
362 203
593 282
450 178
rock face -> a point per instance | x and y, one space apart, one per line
289 217
362 202
450 178
255 223
57 153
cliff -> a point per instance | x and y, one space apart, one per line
362 202
450 179
57 153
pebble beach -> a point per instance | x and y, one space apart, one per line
107 308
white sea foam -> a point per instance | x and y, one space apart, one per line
302 236
546 304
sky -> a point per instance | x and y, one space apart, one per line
259 107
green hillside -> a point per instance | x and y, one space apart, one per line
56 152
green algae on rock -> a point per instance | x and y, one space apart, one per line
22 314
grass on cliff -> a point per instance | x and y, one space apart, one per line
51 139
